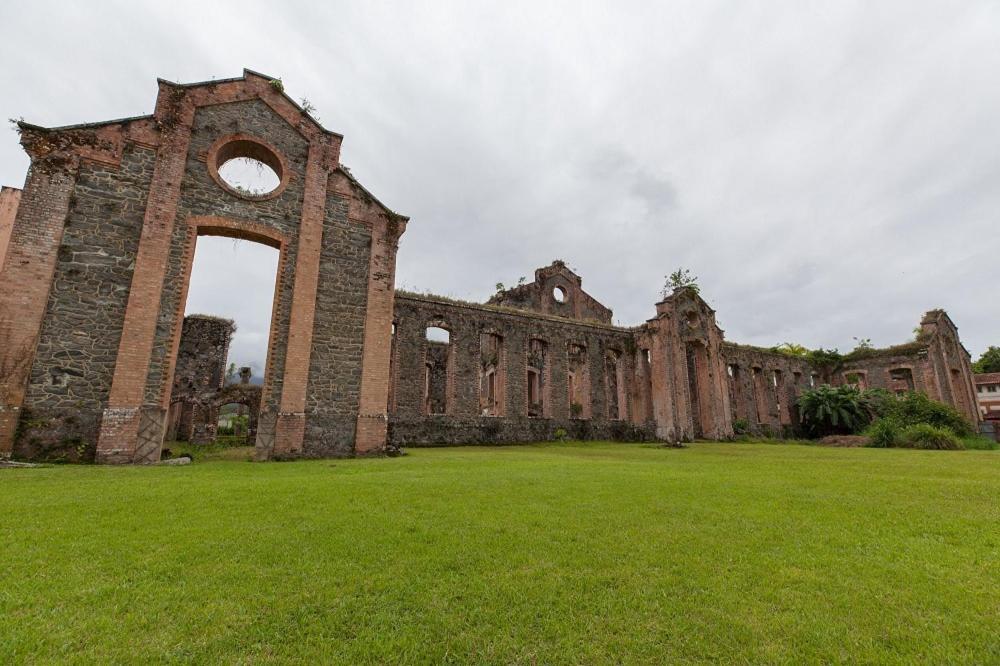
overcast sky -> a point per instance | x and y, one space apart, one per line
829 170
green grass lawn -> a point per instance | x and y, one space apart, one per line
583 553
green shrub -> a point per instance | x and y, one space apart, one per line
560 434
883 434
926 436
915 408
834 410
741 427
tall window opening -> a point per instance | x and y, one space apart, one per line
230 279
437 363
760 395
736 391
393 351
537 352
614 384
492 375
780 398
578 382
646 378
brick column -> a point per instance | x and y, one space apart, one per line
30 264
9 200
130 431
291 419
371 431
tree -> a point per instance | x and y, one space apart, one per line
231 373
988 362
680 279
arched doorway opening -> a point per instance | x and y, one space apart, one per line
219 380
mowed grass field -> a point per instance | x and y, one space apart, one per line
576 553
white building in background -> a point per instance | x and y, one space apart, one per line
988 394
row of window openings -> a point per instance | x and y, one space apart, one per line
903 376
492 375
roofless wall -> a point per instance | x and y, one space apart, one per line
100 256
94 280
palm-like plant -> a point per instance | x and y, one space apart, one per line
835 410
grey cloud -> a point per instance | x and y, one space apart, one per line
829 171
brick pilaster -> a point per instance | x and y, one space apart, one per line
120 424
371 430
290 427
29 264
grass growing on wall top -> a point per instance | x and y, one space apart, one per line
570 553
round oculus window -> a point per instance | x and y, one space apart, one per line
248 169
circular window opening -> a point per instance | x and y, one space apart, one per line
248 169
692 318
559 294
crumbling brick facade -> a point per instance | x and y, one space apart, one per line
94 282
101 251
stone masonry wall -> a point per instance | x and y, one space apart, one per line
335 362
764 406
463 423
78 342
94 279
201 196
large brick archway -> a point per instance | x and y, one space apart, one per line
120 205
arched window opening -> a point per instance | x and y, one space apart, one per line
559 294
234 281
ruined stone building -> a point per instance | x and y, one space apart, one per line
200 389
97 361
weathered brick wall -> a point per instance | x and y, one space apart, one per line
78 342
538 296
877 370
765 408
110 333
94 282
9 199
687 374
409 425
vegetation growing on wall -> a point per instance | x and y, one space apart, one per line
680 279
